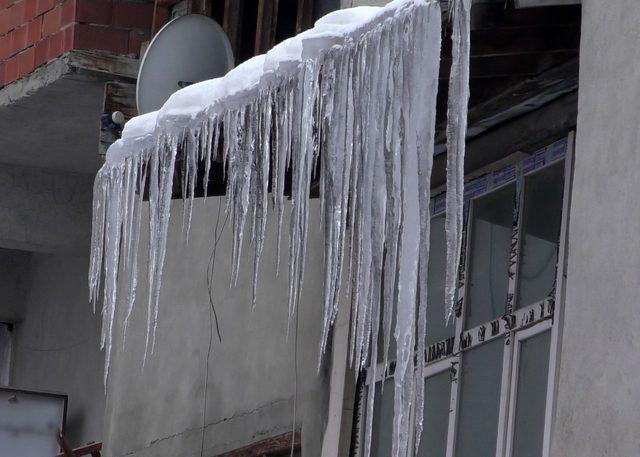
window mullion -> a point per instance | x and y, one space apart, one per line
504 427
456 361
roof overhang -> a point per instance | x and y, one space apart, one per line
53 114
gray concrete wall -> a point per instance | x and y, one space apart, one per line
56 341
45 223
158 410
44 210
598 404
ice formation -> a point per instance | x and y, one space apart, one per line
456 133
352 99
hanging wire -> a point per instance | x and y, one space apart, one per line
213 315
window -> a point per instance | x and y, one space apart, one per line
489 385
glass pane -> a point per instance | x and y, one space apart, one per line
490 243
382 420
531 396
479 400
436 416
437 329
540 233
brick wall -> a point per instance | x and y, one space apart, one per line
34 32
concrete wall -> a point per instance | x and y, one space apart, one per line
44 210
56 341
598 404
45 219
251 372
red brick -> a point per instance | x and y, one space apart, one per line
5 21
42 49
132 14
92 37
11 70
30 10
6 4
26 61
95 11
18 39
44 6
52 21
136 38
5 46
56 45
68 12
34 30
16 14
69 38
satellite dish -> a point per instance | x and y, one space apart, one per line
187 50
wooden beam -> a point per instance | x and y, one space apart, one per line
93 449
492 15
278 445
266 25
203 7
304 17
503 41
522 65
232 23
516 100
526 133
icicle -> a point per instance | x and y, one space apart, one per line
356 92
262 157
426 35
456 134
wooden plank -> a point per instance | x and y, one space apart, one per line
304 17
524 65
505 41
276 446
266 25
232 24
204 7
93 449
503 14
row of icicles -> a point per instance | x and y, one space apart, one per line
363 112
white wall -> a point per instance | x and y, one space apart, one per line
158 411
598 405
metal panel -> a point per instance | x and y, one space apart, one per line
30 422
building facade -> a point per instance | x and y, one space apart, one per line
540 360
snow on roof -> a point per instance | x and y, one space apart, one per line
242 83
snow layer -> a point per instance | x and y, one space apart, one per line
351 101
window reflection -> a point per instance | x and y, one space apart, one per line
492 225
540 233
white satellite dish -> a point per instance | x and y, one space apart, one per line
187 50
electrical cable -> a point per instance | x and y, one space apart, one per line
213 315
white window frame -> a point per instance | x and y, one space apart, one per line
514 326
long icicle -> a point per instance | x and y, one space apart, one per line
456 133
